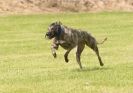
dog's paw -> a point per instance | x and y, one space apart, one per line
54 54
66 60
101 64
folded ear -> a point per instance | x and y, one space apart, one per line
58 22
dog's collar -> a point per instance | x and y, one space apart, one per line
60 30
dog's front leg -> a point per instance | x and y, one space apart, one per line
53 51
54 47
66 55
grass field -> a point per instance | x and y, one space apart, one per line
27 66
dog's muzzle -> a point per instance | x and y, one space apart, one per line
49 35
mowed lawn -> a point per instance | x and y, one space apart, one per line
27 66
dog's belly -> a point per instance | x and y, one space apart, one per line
67 45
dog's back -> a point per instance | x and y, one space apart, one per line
76 36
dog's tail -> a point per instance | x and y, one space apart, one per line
105 39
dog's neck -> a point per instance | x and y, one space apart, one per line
60 31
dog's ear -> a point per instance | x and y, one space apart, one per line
58 23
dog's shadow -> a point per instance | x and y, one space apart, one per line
92 69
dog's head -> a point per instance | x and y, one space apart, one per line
54 30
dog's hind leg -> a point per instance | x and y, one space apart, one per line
97 53
91 42
80 48
66 55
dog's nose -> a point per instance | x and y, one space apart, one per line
47 34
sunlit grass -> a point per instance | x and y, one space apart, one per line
27 66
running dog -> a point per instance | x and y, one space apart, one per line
69 38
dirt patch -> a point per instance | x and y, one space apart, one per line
41 6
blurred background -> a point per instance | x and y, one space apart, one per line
43 6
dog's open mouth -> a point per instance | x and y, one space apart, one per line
49 35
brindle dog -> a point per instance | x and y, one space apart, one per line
69 38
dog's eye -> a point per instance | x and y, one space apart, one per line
52 28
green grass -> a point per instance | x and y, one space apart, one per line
27 66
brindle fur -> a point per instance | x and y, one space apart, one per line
69 38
